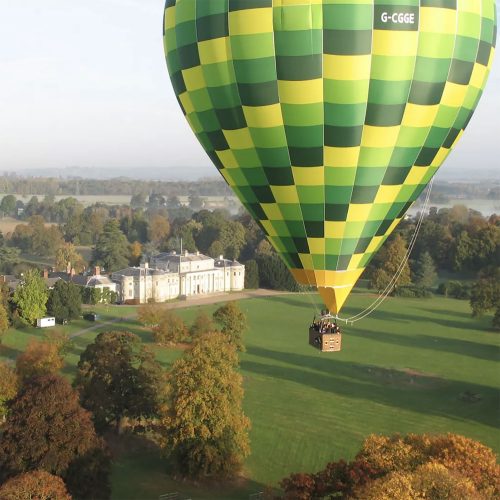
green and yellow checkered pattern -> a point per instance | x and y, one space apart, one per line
326 120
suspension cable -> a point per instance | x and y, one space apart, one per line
388 289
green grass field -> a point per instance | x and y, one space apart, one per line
415 365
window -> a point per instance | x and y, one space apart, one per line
130 293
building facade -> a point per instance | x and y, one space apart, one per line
172 275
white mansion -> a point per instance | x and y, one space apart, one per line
172 275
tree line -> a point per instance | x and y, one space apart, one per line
51 186
457 241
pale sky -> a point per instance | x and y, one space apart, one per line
85 83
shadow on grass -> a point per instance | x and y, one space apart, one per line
9 352
488 352
389 387
427 316
152 476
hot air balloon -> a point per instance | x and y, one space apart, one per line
328 117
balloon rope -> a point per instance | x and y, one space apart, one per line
385 293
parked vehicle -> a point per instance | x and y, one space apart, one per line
91 316
46 322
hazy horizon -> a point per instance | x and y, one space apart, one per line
86 85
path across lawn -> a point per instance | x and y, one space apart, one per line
189 302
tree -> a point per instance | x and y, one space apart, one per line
409 467
111 250
432 480
485 293
391 257
159 228
425 271
195 202
170 329
233 322
251 274
118 378
31 297
88 476
135 253
205 430
232 238
67 258
138 200
39 358
65 301
150 314
9 385
216 249
38 485
9 256
47 428
8 205
4 320
273 273
37 237
202 325
496 319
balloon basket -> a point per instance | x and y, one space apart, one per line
325 342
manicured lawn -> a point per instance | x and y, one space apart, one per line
415 365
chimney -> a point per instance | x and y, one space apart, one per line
72 272
186 253
97 270
68 268
221 257
3 279
45 274
197 253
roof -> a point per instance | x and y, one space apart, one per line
227 263
139 271
174 257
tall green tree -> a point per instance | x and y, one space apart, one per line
65 301
9 256
485 294
233 322
118 378
205 432
273 273
425 271
112 249
8 205
31 297
251 274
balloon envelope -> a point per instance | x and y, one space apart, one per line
328 118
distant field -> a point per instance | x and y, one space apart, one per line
8 224
415 365
109 199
